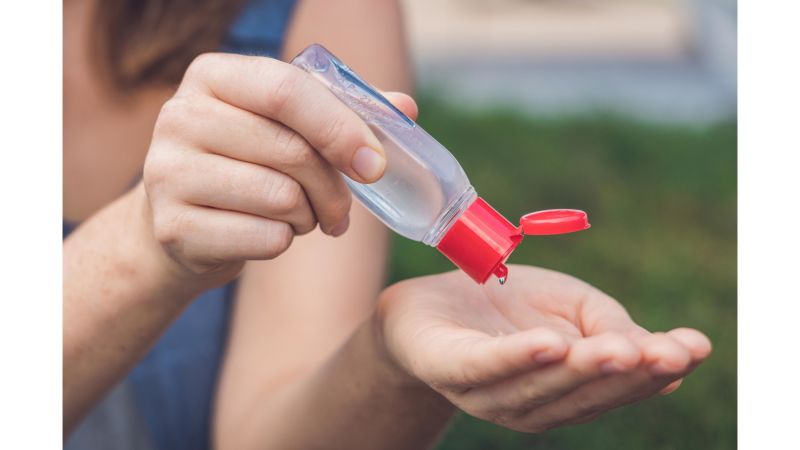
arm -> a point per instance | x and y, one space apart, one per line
246 155
120 292
293 362
297 376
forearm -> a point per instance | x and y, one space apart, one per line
118 298
356 400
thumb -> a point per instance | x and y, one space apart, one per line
404 103
471 359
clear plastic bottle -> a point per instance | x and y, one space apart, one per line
423 185
424 193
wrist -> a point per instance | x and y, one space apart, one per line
141 246
391 375
371 332
175 270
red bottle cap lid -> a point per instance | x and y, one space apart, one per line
481 240
554 221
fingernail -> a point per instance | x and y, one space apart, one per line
368 163
340 227
672 387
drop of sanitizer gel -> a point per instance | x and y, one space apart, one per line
424 194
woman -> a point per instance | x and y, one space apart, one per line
239 159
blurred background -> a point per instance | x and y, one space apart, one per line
623 108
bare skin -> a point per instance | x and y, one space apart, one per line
130 269
310 353
542 351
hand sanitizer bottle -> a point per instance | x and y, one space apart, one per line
424 193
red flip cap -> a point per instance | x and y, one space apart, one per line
481 240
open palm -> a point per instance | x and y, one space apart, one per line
542 351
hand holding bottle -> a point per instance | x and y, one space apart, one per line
249 153
543 351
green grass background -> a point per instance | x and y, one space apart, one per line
662 203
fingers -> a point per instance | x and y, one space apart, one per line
404 103
663 363
206 237
602 314
247 154
288 95
241 135
672 387
671 353
593 399
662 354
698 345
588 359
465 362
260 191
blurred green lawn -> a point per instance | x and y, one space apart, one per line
662 203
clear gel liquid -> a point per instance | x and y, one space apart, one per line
424 189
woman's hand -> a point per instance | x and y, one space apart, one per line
542 351
248 154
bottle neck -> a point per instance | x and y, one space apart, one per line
450 216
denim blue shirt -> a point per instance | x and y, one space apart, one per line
165 402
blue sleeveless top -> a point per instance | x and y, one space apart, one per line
165 402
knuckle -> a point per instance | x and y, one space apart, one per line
304 227
202 64
295 151
306 224
339 206
166 236
173 117
337 131
152 174
167 228
158 167
286 83
286 195
278 239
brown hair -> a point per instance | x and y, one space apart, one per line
146 42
